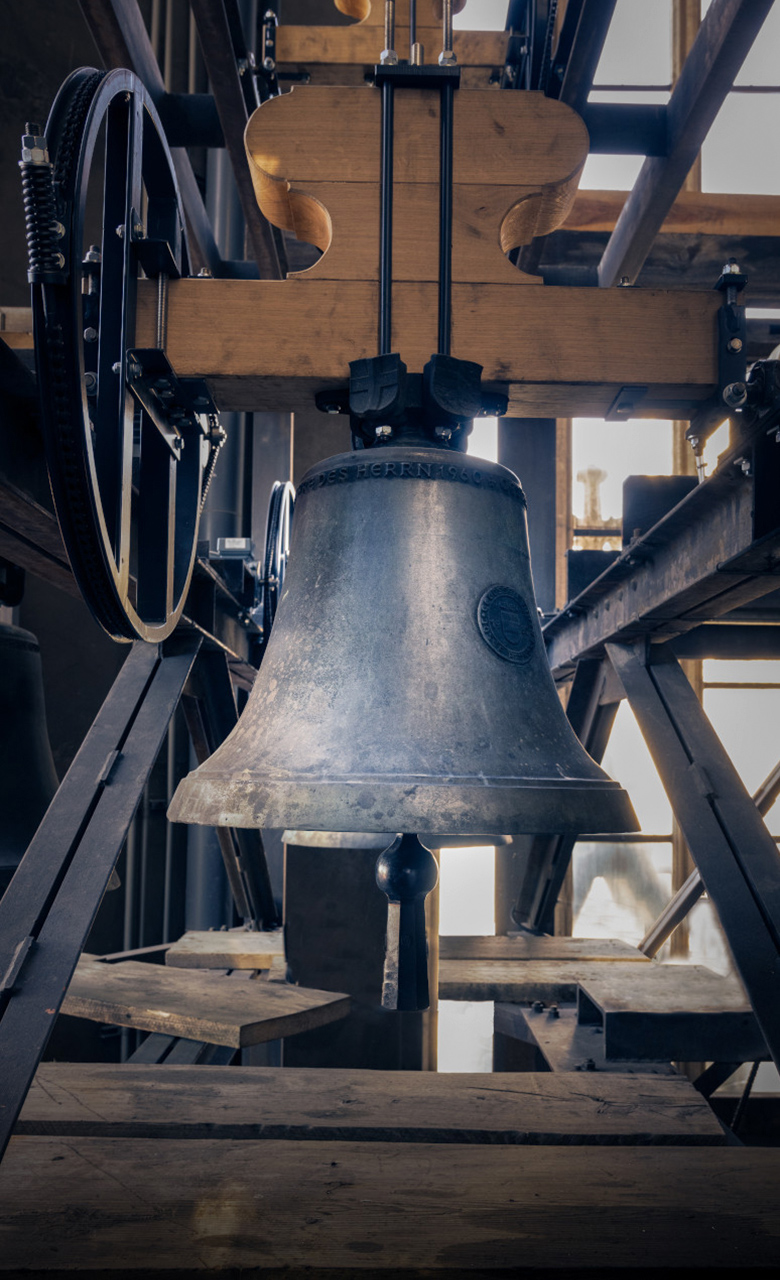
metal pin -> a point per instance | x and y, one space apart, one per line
388 56
447 56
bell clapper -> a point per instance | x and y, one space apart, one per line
406 872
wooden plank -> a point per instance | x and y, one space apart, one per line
693 211
549 980
682 1012
93 1205
242 949
525 946
361 45
272 344
567 1045
197 1006
724 39
309 1104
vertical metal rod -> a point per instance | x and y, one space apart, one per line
389 32
386 224
447 57
445 218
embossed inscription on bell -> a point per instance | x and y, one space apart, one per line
405 686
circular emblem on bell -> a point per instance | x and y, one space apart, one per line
506 624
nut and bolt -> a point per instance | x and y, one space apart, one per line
90 382
92 254
731 268
90 335
383 433
34 150
332 408
538 1006
117 368
625 281
554 1011
121 231
205 274
269 64
735 395
735 344
443 433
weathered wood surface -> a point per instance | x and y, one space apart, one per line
242 949
693 211
92 1205
197 1006
558 351
90 1100
684 1012
567 1045
527 947
314 155
548 980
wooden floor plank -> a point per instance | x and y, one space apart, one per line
93 1206
549 980
233 949
198 1006
96 1100
528 947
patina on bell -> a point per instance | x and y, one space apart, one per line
405 686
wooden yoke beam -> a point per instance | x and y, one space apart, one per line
270 345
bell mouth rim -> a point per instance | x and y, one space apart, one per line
514 808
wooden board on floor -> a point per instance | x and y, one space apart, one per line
197 1006
684 1012
527 947
239 949
92 1205
98 1100
548 980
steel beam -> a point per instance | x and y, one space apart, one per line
48 909
698 563
721 46
727 838
585 51
591 710
217 47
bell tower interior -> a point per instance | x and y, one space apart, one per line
389 638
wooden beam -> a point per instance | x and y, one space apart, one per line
693 211
526 946
524 980
390 1209
559 352
721 46
231 949
309 1104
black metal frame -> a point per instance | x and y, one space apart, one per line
50 905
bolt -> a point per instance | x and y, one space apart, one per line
735 344
735 395
92 254
204 273
59 260
554 1011
90 382
117 368
121 231
138 229
625 281
590 1064
90 335
731 268
388 58
58 229
744 465
538 1006
443 433
242 65
383 433
269 64
333 408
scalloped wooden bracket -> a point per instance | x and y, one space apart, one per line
314 157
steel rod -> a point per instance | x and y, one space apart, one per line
386 224
445 218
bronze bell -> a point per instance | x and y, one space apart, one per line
28 779
405 686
